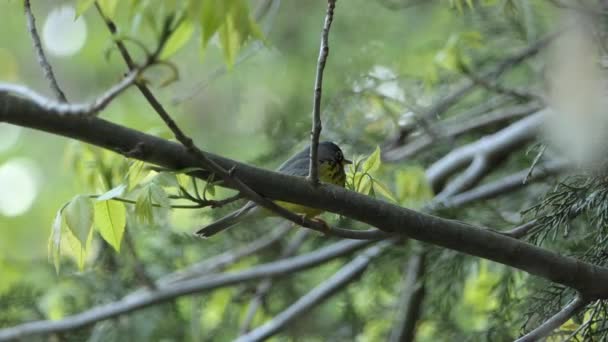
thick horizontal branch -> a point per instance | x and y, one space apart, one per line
144 299
459 236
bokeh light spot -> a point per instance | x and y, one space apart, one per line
9 135
18 186
61 34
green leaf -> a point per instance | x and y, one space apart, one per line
79 217
54 246
159 196
384 190
79 249
113 193
372 163
143 206
178 39
213 15
82 6
137 172
110 219
166 179
108 7
230 42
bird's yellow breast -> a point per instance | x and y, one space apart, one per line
329 172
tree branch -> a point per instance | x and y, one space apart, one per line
465 86
577 304
47 69
409 305
345 275
505 184
449 130
265 285
390 218
484 151
221 261
313 167
147 298
76 109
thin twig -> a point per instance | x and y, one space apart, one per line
535 161
577 304
313 168
78 109
494 86
521 230
466 86
47 70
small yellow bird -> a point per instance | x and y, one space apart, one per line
331 170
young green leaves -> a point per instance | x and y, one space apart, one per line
361 177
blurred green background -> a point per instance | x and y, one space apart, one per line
385 56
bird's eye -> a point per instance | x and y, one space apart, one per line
339 156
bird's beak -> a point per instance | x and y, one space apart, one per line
346 162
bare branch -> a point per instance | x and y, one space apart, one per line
147 298
76 109
483 152
313 168
496 87
221 261
577 304
345 275
409 305
47 70
264 287
521 230
449 129
465 86
506 184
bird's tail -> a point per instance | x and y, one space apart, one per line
225 222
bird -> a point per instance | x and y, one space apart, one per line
331 170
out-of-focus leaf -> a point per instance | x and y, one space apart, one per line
110 219
82 6
79 249
412 186
79 217
166 179
108 7
384 190
143 206
372 163
159 196
178 39
230 42
213 15
54 245
137 172
113 193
